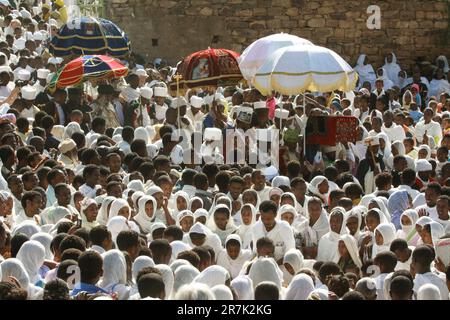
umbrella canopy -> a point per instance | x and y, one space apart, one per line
256 54
297 69
210 67
88 67
88 35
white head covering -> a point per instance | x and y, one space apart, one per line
423 165
196 102
201 213
211 224
145 222
212 276
32 255
185 274
28 227
116 225
222 292
45 239
181 194
408 231
243 286
175 264
177 247
429 291
319 294
70 129
300 287
437 231
192 200
142 134
314 184
102 217
168 277
140 263
387 231
13 267
352 248
265 269
382 207
281 181
114 269
116 206
234 266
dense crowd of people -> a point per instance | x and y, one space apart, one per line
106 194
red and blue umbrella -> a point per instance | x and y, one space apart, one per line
86 68
88 35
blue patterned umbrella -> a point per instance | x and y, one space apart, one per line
87 35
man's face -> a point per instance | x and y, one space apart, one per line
379 85
35 205
259 181
115 164
32 182
387 119
428 115
431 197
63 196
16 186
299 190
268 219
389 58
235 190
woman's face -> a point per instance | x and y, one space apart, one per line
394 150
149 208
288 217
323 187
352 225
124 212
159 197
91 212
6 207
201 219
378 238
275 198
246 214
268 219
406 221
343 252
186 223
248 197
221 220
372 222
382 144
373 205
336 223
426 237
422 154
181 203
196 204
286 200
233 251
314 210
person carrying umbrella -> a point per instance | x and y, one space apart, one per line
102 106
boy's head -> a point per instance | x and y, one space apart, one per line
422 258
267 290
401 288
128 240
100 236
90 264
328 269
151 285
205 257
161 251
386 261
400 248
265 247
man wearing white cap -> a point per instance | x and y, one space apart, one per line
143 118
22 75
262 114
195 114
423 169
42 75
211 146
131 91
159 108
142 74
28 96
69 155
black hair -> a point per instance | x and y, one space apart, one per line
16 243
98 122
90 264
338 284
187 176
264 242
64 227
268 206
223 180
398 244
6 152
408 177
56 241
190 256
151 285
353 295
424 255
56 290
293 168
401 286
327 269
237 179
267 290
201 180
127 239
203 253
89 170
210 169
160 248
83 233
71 254
128 133
72 241
99 234
387 259
174 232
435 186
29 196
354 191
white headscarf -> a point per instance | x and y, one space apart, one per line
387 230
357 212
446 66
281 181
28 228
392 69
192 201
212 276
427 149
382 207
294 258
313 187
429 291
184 274
319 294
168 278
437 231
233 266
116 225
45 239
229 228
142 218
222 292
183 195
328 244
142 133
365 71
139 264
177 247
70 129
102 217
243 229
116 206
175 264
86 203
265 269
114 277
136 185
183 214
300 287
243 286
13 267
135 198
408 232
352 248
297 205
32 255
320 227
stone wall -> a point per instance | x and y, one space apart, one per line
173 29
